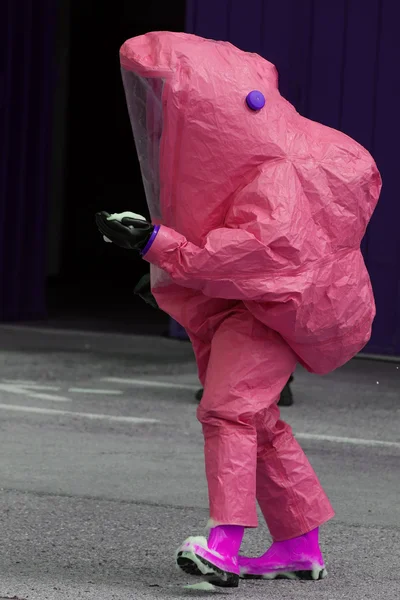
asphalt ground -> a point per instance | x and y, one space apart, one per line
102 476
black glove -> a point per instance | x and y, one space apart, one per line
126 229
143 289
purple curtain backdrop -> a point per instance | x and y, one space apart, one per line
336 62
26 92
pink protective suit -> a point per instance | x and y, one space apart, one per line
258 256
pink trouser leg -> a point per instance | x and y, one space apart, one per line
249 452
288 490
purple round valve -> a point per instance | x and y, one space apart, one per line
255 100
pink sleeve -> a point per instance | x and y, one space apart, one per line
229 265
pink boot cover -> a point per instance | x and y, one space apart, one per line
215 559
298 558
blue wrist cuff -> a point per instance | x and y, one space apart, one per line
151 240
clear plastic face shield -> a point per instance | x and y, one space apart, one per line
144 100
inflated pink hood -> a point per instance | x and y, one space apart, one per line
281 199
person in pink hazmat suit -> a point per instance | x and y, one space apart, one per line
257 219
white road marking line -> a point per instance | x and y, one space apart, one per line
20 381
23 391
346 440
31 385
121 419
92 391
51 397
152 383
68 413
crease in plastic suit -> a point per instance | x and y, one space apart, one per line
261 217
